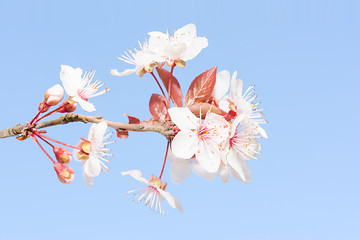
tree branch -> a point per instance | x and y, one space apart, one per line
160 127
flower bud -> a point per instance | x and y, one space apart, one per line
63 155
54 95
43 107
85 149
64 173
67 107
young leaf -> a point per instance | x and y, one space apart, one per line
132 120
176 94
201 88
204 108
158 107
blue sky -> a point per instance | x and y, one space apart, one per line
303 57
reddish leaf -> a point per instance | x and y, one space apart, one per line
158 107
132 120
201 88
122 134
176 94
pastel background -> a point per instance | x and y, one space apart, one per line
303 57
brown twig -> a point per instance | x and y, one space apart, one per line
160 127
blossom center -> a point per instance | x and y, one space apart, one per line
203 132
82 94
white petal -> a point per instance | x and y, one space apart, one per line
71 79
224 173
239 165
180 170
124 73
87 106
184 144
235 124
224 103
262 132
175 203
88 180
222 84
92 165
200 171
97 131
236 88
187 30
195 48
136 174
183 118
208 157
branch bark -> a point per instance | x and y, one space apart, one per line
161 127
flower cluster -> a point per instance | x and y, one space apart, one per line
208 131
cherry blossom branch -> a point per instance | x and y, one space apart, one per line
160 127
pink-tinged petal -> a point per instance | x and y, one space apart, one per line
219 125
208 156
239 166
126 72
180 170
71 79
87 106
136 174
222 84
183 118
200 171
236 88
184 144
92 165
224 173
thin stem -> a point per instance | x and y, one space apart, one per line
37 134
169 89
166 153
49 113
43 136
35 140
158 84
37 115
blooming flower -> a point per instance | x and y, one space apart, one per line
184 45
143 59
198 138
242 145
153 193
92 152
80 89
238 102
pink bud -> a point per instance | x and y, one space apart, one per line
66 106
64 173
43 106
63 155
54 95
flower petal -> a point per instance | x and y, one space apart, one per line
92 165
87 106
239 166
137 175
184 144
224 173
183 118
180 170
222 84
200 171
71 79
175 203
219 125
126 72
208 156
236 88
